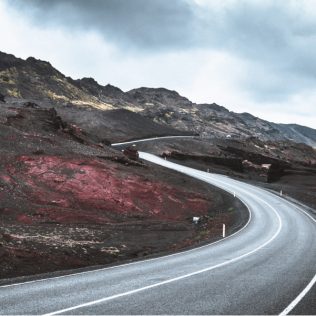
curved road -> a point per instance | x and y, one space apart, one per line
150 139
268 267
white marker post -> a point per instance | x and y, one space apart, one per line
224 231
196 219
208 170
281 193
234 194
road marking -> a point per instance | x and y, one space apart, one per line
299 297
105 299
147 139
309 286
292 204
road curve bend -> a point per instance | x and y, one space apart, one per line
268 267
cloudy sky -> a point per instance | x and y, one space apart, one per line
249 56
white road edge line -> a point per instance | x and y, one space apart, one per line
292 204
152 138
309 286
180 277
299 297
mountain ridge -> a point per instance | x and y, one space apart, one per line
39 81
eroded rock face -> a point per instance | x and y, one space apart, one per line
268 172
230 162
250 159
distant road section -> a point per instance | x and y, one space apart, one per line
268 267
150 139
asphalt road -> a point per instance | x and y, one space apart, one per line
151 139
268 267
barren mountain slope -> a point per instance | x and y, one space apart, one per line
38 80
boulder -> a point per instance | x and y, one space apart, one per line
131 152
2 98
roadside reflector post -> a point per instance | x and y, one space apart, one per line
195 219
224 231
208 170
281 193
234 194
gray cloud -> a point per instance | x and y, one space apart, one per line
143 24
276 40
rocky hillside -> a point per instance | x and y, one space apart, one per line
68 198
38 81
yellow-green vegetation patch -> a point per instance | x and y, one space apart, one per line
133 108
8 77
54 96
14 93
97 105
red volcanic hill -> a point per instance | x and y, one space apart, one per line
69 198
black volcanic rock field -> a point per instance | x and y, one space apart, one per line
68 197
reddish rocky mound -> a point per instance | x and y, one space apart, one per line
84 190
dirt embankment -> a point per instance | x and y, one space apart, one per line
69 202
